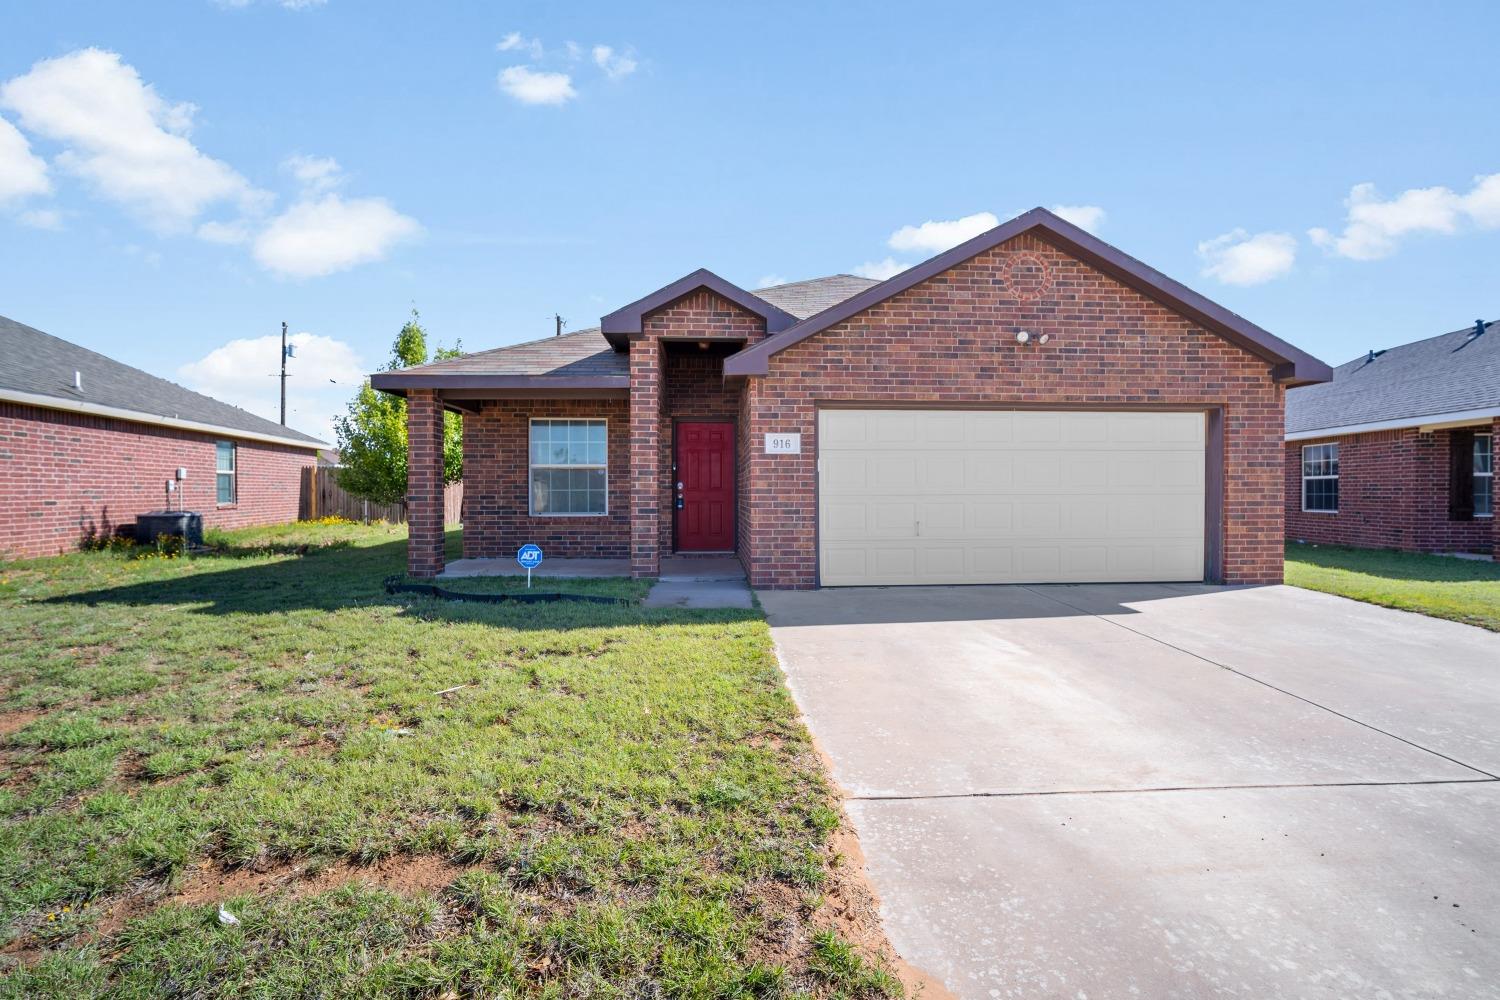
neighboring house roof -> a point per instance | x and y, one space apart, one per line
1454 376
584 359
1291 366
36 369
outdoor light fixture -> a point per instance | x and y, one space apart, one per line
1023 338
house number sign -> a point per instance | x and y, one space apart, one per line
783 444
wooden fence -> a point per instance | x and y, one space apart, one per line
323 497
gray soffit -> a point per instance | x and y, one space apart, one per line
40 367
1452 373
1290 365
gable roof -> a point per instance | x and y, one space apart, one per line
1443 376
620 324
805 298
584 359
1291 365
36 369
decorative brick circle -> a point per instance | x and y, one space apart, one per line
1028 277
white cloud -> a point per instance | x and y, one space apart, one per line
934 237
22 172
124 139
615 65
324 235
531 86
880 269
1237 258
575 51
516 42
316 174
42 218
237 373
770 281
1374 226
1089 217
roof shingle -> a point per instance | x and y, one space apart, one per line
1450 373
40 364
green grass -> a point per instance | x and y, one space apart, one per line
618 801
1461 590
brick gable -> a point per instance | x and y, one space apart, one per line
950 341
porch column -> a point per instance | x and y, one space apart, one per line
645 458
424 483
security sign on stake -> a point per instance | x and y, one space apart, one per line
530 557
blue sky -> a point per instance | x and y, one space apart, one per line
179 177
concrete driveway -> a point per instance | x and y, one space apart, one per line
1163 790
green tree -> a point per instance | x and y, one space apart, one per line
372 435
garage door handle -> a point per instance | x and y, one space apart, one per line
919 529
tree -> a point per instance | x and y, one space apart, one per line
372 435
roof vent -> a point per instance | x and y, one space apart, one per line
78 381
1479 326
1373 355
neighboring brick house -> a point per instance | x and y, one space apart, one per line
1398 450
88 443
1030 406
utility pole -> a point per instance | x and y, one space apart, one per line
286 352
559 319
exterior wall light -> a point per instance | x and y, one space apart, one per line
1023 338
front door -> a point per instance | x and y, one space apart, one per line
704 487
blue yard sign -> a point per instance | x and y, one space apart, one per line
530 557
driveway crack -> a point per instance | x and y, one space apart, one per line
1268 684
1169 788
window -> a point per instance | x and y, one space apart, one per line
1484 475
1320 478
569 467
224 469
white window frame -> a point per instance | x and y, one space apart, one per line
530 467
1305 477
233 472
1489 437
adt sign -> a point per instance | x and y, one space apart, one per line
530 557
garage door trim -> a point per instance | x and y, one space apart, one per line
1213 455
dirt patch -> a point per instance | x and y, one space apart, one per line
11 722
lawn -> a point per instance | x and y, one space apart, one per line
400 796
1462 590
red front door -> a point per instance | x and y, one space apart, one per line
704 487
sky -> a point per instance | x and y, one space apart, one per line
179 178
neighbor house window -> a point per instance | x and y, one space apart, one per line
1320 478
1484 475
224 469
569 467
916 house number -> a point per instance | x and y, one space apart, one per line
783 444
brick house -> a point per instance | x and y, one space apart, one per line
88 443
1032 405
1398 449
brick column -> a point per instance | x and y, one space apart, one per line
424 483
645 457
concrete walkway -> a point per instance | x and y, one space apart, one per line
685 581
1163 791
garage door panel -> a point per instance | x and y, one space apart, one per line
916 496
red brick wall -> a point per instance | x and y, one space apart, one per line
1393 493
951 340
62 474
497 518
697 316
424 483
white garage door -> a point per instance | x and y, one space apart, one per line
963 496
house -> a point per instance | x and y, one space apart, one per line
1032 405
1398 449
87 443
